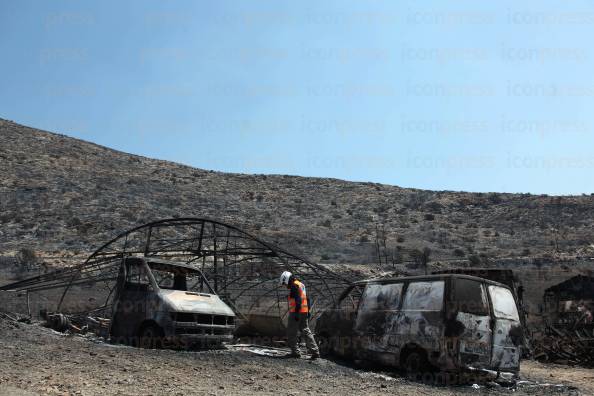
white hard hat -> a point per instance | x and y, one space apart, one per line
284 278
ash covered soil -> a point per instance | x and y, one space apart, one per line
36 360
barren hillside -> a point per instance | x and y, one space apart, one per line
62 194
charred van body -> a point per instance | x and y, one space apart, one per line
451 322
161 302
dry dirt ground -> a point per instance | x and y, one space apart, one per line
36 360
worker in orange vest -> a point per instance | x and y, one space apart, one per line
298 316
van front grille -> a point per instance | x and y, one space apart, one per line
202 331
204 319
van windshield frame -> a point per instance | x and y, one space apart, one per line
178 276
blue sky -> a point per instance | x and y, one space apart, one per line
460 96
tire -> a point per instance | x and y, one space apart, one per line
325 345
150 337
415 364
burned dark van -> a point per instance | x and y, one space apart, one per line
160 302
450 322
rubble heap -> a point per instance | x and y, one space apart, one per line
566 346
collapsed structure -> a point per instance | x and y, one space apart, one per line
241 271
239 267
569 324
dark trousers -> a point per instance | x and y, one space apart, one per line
301 325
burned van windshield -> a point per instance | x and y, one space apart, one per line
171 277
504 305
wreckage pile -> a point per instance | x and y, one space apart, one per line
566 346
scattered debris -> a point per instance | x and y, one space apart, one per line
15 317
569 324
566 346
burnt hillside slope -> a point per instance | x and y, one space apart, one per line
62 194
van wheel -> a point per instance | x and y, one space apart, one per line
324 345
150 337
415 364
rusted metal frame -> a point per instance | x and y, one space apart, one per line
181 221
231 252
265 295
62 282
267 250
164 239
258 284
116 253
214 257
148 241
203 263
123 254
80 268
167 242
238 278
113 289
22 285
225 261
163 245
176 222
57 275
166 247
280 314
201 236
203 280
95 253
75 283
243 291
131 252
263 253
237 262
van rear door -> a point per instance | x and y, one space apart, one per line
471 307
507 330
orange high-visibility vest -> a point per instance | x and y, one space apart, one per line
303 295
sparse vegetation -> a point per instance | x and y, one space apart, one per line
421 258
86 194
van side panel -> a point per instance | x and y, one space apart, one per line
421 321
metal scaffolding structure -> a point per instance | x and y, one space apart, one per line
242 268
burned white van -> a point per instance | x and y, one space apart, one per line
449 322
159 302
